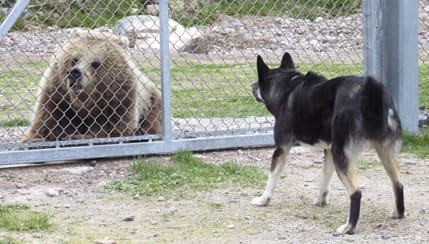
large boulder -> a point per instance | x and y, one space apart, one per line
145 31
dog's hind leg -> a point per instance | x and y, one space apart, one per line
277 165
327 171
387 152
344 155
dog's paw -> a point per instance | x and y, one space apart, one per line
260 201
396 215
345 229
321 203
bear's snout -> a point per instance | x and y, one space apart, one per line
75 77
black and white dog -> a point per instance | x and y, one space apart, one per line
342 115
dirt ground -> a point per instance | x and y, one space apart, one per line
83 213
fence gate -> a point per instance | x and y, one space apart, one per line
201 54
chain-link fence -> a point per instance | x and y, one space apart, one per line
213 46
424 63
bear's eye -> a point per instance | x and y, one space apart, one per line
74 61
95 65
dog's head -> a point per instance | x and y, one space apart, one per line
273 83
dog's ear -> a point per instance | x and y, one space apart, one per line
262 68
287 62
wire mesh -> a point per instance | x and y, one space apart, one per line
424 63
213 48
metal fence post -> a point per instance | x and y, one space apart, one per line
400 58
391 53
165 71
12 17
372 34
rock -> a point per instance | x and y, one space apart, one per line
152 9
161 199
20 185
105 241
78 170
129 219
172 210
197 45
147 31
53 193
423 117
314 42
318 19
318 161
231 226
92 163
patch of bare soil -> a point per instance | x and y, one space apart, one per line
83 213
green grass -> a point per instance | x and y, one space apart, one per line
14 123
366 165
198 90
19 217
424 85
209 11
67 14
185 176
416 144
9 240
223 90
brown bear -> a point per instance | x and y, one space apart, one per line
92 89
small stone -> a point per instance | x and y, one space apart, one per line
153 222
422 211
53 193
161 199
105 241
20 185
92 163
318 161
231 226
314 42
172 210
318 19
129 219
152 9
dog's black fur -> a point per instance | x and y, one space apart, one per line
341 114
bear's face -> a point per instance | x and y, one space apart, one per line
91 62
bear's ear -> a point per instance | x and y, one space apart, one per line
77 32
123 41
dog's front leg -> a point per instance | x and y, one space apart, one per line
277 165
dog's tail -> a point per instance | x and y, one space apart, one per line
378 111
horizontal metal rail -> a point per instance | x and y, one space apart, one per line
132 149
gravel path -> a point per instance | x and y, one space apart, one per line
83 213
